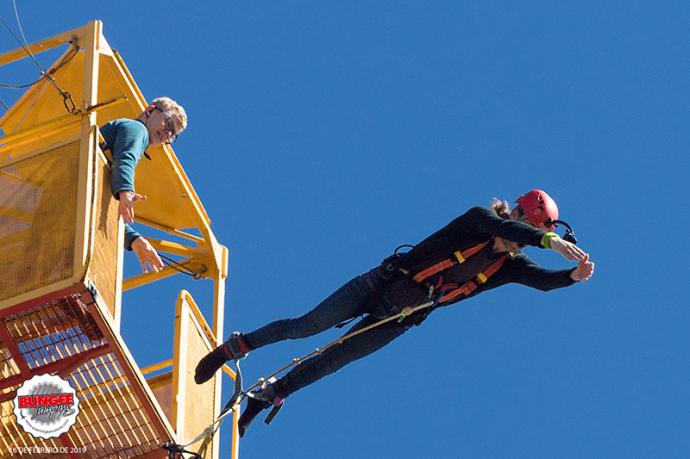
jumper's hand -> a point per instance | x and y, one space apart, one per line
126 207
584 270
569 250
147 255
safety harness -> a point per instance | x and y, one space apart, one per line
449 291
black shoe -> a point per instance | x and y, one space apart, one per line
257 401
229 350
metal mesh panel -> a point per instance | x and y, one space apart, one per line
53 332
8 367
13 436
103 269
37 220
199 400
113 421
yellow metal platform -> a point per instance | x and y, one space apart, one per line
62 249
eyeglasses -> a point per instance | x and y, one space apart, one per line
169 127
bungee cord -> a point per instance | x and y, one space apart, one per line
175 451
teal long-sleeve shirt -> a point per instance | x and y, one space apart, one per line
127 140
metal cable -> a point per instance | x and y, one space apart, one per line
59 65
26 44
20 86
66 96
179 267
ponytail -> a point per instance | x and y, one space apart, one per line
502 208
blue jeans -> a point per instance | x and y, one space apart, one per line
349 301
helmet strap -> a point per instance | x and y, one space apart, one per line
569 235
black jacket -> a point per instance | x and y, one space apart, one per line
477 225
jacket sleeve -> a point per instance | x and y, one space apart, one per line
130 235
486 221
524 271
127 148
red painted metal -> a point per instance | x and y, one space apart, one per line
72 363
155 455
16 354
59 367
67 443
66 366
41 300
158 422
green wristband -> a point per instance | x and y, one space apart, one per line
546 239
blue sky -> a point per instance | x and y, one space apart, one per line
323 134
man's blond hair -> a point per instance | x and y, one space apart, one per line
172 108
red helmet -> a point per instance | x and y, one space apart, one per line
539 208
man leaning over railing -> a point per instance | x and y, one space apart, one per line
161 122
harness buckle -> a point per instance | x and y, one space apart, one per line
407 310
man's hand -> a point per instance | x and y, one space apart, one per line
147 255
126 208
569 250
584 270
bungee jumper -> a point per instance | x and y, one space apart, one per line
478 251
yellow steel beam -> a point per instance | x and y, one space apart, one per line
34 92
224 265
129 81
106 103
228 371
143 279
85 221
219 297
39 46
157 366
200 318
37 132
170 230
218 317
49 128
200 265
174 248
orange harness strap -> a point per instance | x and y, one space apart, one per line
460 257
468 287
